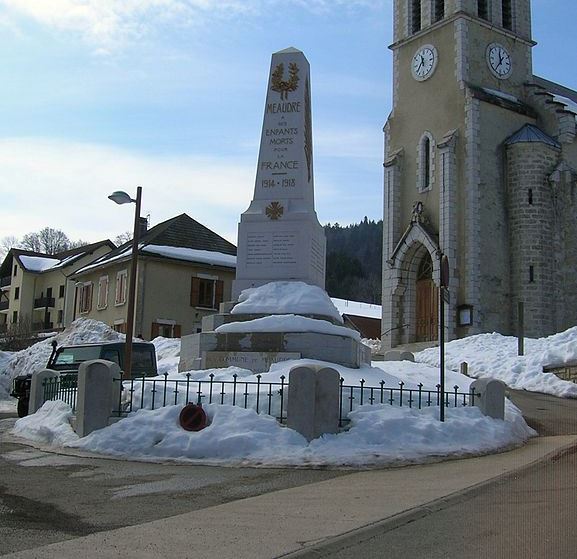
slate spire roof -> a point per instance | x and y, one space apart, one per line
531 134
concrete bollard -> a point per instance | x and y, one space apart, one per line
37 390
490 397
313 401
98 394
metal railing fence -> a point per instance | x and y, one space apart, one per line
63 387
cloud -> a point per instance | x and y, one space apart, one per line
108 24
65 185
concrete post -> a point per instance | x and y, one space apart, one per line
37 390
313 401
490 397
98 394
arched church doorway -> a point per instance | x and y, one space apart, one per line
427 302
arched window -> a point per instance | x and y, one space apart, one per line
507 14
415 18
425 163
439 10
483 9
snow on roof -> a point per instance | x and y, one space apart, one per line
192 255
286 297
356 308
106 259
38 263
570 105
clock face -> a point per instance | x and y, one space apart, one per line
499 61
424 62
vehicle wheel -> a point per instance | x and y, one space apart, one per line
22 407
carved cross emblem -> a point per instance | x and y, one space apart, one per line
274 210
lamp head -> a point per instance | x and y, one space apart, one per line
120 197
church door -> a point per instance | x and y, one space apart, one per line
427 297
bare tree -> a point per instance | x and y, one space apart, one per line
123 238
47 240
6 243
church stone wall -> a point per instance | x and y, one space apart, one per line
496 125
532 221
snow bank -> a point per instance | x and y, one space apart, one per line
167 354
378 435
357 308
34 358
494 355
288 323
50 424
286 297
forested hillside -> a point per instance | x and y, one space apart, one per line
354 256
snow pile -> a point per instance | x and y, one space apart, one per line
49 425
286 297
288 323
494 355
375 345
378 435
167 354
34 358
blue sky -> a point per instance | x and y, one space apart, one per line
101 95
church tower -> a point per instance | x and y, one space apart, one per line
463 91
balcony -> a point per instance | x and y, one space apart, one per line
44 302
3 306
5 282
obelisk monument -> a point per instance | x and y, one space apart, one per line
279 235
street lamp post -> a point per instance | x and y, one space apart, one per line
123 198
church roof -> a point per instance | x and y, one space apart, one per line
531 134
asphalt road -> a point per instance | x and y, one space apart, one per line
46 497
530 514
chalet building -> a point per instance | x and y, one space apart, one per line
184 272
36 289
480 166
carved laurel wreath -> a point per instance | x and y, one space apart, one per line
274 210
284 86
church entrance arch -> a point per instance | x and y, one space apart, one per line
426 302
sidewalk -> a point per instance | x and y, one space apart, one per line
285 522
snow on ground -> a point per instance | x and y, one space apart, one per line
494 355
34 358
286 297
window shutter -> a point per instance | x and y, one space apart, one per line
194 292
154 330
219 293
177 331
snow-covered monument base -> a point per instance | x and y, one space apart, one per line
275 322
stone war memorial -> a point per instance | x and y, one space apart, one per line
280 309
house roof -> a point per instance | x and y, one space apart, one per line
529 133
179 238
38 262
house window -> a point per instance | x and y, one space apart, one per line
120 327
415 16
507 14
439 10
15 270
206 293
85 304
425 163
102 293
165 328
16 293
483 9
61 292
14 317
120 296
60 317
